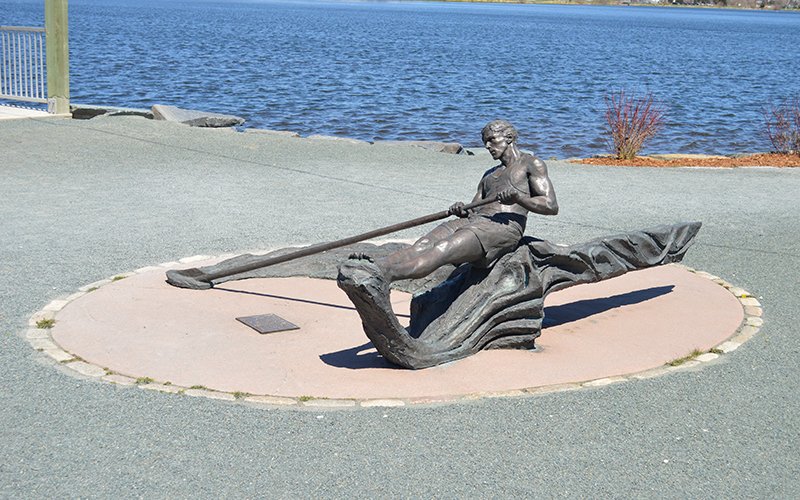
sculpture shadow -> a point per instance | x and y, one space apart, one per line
354 357
295 299
582 309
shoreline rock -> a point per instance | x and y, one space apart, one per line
87 112
437 146
320 137
195 118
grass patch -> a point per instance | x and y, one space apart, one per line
716 351
45 324
117 278
91 289
202 387
241 395
303 399
144 380
688 357
75 358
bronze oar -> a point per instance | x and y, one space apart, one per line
196 279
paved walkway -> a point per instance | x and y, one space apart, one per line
83 200
15 113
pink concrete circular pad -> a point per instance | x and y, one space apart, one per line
142 327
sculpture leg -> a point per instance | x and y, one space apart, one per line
429 254
425 243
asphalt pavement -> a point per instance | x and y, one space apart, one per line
84 200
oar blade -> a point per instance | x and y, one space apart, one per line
193 278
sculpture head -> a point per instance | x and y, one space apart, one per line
497 136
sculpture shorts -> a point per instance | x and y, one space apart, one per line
498 234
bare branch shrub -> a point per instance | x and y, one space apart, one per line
782 126
632 120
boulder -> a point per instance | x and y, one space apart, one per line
440 147
86 112
277 133
194 118
335 138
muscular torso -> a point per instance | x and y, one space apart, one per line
503 177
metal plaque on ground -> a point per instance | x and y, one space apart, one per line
267 323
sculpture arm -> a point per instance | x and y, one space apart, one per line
543 196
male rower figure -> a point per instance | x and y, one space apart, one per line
520 184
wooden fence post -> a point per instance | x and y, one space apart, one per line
56 24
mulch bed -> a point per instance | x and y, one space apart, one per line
757 160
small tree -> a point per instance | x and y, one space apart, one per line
632 121
782 126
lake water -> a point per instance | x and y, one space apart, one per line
397 70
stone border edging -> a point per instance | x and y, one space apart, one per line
40 323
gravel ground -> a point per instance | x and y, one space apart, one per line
83 200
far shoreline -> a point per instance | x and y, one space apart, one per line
602 3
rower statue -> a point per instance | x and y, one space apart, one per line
479 282
483 234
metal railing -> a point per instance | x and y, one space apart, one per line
22 64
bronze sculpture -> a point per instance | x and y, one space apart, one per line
480 283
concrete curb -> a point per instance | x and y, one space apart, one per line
40 323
